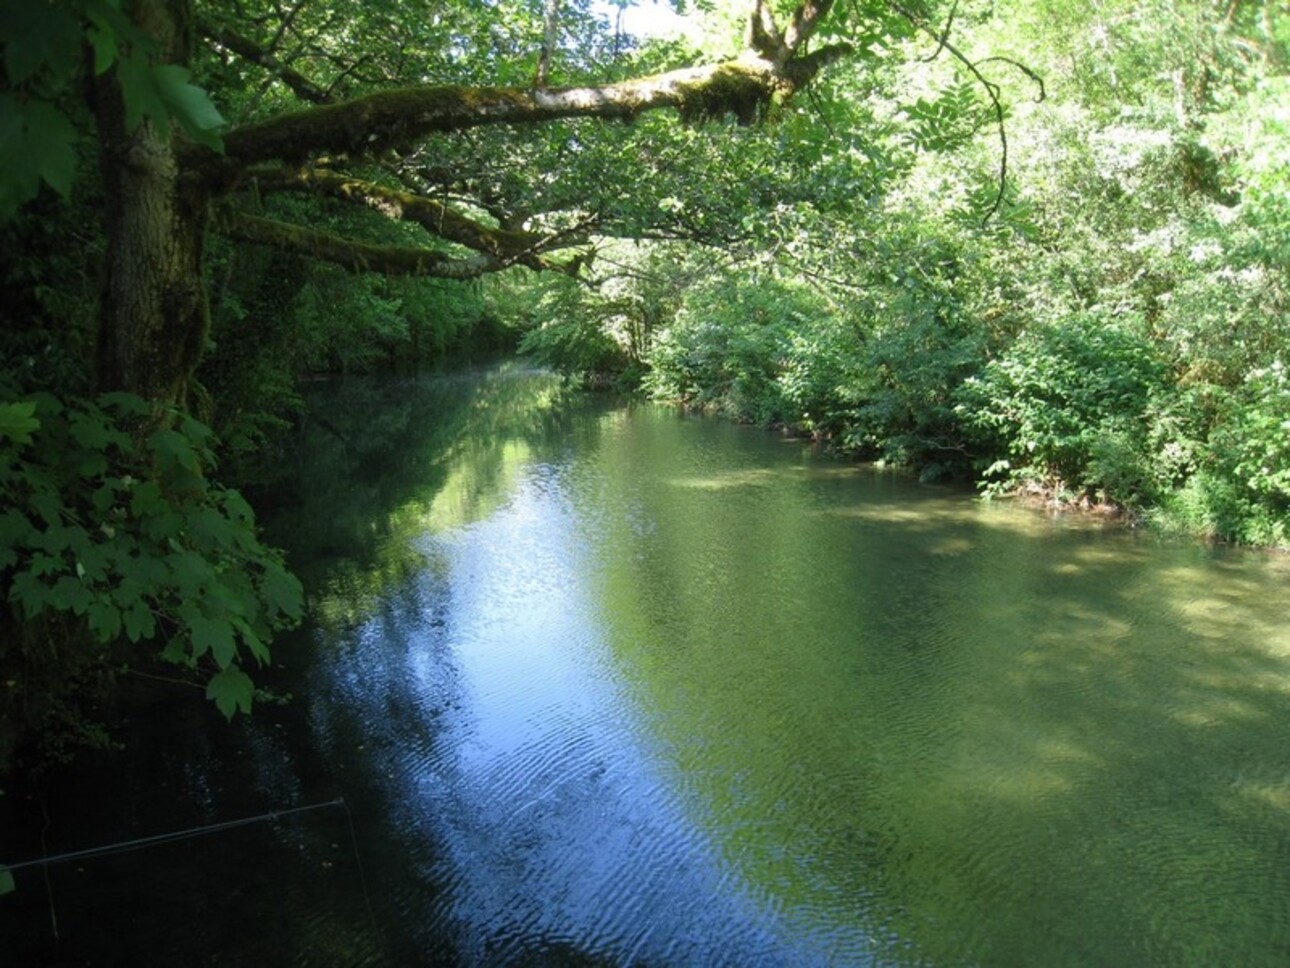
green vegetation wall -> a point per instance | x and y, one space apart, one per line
1110 324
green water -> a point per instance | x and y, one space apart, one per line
608 684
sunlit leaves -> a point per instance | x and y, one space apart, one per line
1062 397
946 122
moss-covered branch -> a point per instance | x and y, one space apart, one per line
392 260
398 118
431 215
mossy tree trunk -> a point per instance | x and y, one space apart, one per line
160 192
154 314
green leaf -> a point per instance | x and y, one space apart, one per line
139 622
210 529
39 35
36 142
50 507
139 90
283 592
108 28
69 595
104 43
191 573
90 431
29 592
231 689
17 421
126 404
105 621
7 885
189 105
253 641
176 447
214 635
50 143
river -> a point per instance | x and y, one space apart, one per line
606 684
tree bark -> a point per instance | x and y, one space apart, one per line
154 317
396 118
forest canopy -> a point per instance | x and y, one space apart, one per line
1038 244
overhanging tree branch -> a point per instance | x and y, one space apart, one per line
432 215
774 68
356 256
393 118
249 50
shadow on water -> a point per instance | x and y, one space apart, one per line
607 686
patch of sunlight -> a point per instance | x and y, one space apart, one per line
1216 712
1278 644
1111 553
1026 768
1220 709
949 547
1275 795
1064 751
1029 784
926 513
1273 681
754 477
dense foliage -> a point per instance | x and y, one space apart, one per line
1112 329
1036 243
113 534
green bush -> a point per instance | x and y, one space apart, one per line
566 332
1066 407
757 349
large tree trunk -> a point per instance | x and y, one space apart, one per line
154 314
155 317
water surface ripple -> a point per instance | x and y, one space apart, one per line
611 685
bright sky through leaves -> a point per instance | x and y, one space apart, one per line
645 20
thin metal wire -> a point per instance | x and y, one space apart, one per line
362 877
142 842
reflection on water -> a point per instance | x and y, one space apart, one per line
607 685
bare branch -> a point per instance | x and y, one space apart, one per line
991 91
249 50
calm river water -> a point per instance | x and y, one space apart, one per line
609 685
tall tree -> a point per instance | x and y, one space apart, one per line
171 172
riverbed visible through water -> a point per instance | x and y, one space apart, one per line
602 683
